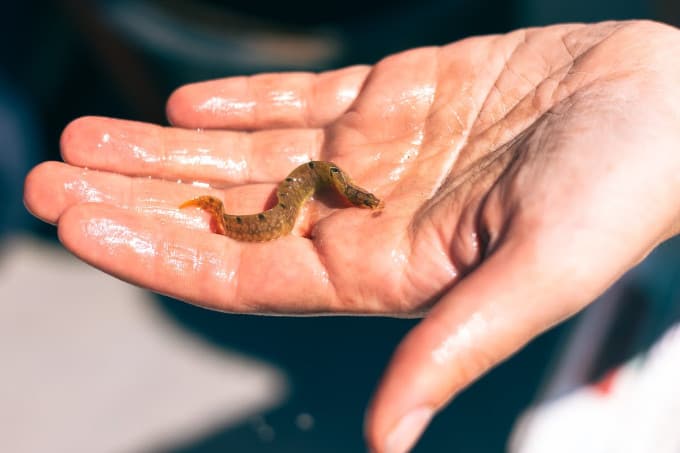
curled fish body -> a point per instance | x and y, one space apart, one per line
292 193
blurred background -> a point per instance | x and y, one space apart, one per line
90 364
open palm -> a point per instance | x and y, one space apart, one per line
521 175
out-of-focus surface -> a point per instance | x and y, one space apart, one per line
90 364
613 386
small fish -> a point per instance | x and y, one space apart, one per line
292 193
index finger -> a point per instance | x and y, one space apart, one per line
267 100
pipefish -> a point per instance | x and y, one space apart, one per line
292 193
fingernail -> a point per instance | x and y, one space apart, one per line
408 430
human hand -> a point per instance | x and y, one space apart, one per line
522 174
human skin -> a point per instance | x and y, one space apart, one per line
522 174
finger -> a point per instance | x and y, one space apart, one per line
142 149
397 98
489 315
282 276
53 187
267 100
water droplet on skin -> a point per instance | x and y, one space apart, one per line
299 159
225 275
84 191
286 98
114 236
418 139
474 242
398 257
106 138
423 94
204 157
396 173
219 105
345 95
462 339
143 154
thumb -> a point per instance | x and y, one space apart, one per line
486 317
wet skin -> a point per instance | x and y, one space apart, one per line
522 173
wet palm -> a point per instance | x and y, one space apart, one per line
521 175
